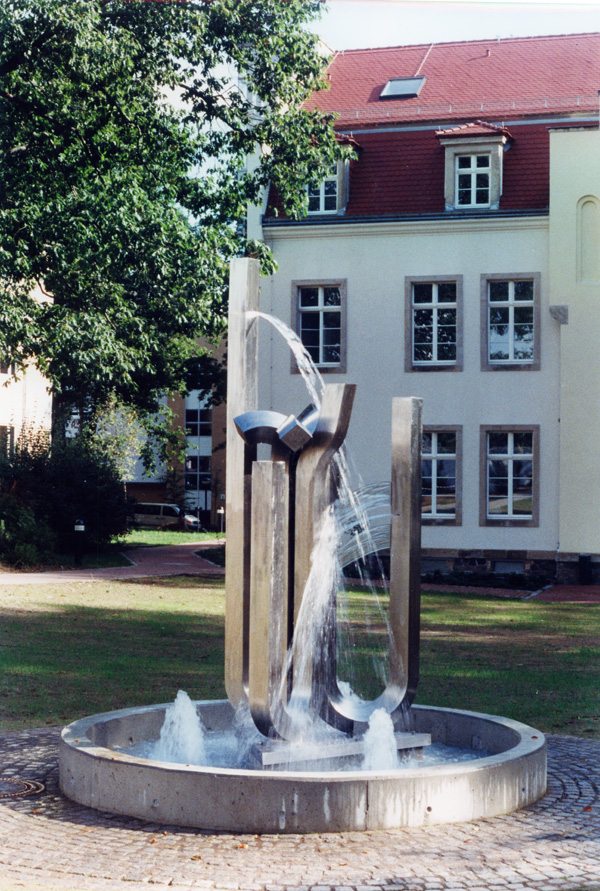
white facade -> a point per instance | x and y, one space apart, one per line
375 260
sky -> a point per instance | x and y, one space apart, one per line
355 24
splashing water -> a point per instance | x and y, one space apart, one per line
182 734
380 744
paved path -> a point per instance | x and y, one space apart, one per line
180 559
49 843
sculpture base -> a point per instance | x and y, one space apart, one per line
266 801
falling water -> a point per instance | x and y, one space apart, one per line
354 541
307 368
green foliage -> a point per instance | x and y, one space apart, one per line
24 540
124 141
46 488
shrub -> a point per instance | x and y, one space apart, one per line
24 541
45 488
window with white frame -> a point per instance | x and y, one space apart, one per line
440 498
320 309
510 477
473 166
510 322
323 198
473 180
433 323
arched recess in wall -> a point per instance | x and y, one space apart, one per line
588 239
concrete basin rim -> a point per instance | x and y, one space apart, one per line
531 741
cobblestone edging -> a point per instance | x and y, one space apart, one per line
48 842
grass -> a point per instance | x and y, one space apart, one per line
77 649
139 538
531 661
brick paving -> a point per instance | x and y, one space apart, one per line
48 843
180 559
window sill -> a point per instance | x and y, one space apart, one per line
510 522
323 369
434 367
511 366
440 521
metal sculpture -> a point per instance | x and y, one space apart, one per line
274 508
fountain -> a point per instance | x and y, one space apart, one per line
296 750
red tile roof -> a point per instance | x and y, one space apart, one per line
464 81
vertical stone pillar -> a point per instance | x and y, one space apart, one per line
242 395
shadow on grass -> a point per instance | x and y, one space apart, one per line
60 664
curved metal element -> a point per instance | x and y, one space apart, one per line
259 426
405 588
314 489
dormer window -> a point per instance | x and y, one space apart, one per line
473 180
331 195
324 197
402 88
474 155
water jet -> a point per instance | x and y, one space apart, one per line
284 478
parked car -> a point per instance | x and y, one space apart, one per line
163 516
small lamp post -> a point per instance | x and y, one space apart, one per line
78 541
221 512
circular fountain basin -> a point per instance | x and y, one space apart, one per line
94 773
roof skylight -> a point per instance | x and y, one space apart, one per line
402 88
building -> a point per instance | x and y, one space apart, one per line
25 400
457 258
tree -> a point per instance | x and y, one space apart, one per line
123 177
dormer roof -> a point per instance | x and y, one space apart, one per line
473 129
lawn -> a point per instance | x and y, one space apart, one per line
83 648
77 649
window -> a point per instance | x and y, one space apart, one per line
197 478
402 88
473 180
510 320
6 368
433 322
323 198
474 155
320 312
441 476
198 422
509 470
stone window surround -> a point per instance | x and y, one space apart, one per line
342 284
493 145
536 364
506 522
409 280
456 520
